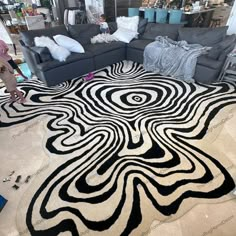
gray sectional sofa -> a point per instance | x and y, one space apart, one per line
97 56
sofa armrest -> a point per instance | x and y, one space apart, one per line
220 50
224 53
32 58
43 53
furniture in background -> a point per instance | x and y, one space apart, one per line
149 13
14 18
201 18
59 7
6 18
6 36
133 11
13 23
74 15
220 16
81 17
161 15
175 16
47 14
114 8
35 22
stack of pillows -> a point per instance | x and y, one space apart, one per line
61 48
127 28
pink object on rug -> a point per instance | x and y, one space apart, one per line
89 76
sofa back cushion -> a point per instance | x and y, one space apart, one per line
28 36
83 32
203 36
153 30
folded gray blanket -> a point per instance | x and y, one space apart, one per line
173 58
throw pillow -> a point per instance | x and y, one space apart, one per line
44 53
68 43
203 36
112 27
142 25
130 23
125 35
59 53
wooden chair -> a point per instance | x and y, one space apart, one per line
220 16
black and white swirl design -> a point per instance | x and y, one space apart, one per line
128 134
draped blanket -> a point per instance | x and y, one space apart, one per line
173 58
103 38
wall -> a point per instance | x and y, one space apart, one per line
232 20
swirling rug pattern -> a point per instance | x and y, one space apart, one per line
127 145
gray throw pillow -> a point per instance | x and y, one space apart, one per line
142 25
154 29
217 49
203 36
112 27
44 53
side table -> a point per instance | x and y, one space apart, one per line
229 68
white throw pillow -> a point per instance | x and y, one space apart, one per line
125 35
59 53
68 43
130 23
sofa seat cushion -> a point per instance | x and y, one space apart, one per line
139 44
203 36
204 60
153 30
100 48
28 36
72 58
83 32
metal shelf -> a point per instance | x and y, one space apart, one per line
229 68
233 72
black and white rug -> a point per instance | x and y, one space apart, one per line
129 147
